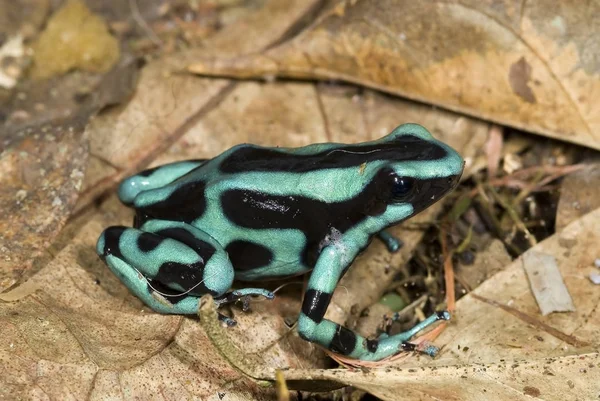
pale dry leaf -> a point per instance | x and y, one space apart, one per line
40 178
572 377
91 334
529 65
498 346
105 324
44 157
546 283
579 195
167 103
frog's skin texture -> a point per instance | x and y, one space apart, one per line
255 213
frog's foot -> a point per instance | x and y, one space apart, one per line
392 243
226 319
401 340
243 295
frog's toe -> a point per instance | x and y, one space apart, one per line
392 242
226 319
254 291
243 295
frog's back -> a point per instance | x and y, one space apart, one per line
275 209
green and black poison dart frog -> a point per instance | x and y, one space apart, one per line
254 213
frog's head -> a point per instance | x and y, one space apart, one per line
418 172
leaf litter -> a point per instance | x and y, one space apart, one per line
111 344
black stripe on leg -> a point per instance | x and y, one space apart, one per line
202 248
343 341
406 346
148 242
371 345
315 304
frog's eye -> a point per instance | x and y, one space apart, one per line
402 187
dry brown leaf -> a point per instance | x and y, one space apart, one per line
40 178
503 349
579 195
528 65
90 338
102 323
167 103
44 159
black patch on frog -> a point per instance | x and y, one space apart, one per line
202 248
371 345
315 218
246 255
254 158
343 341
112 236
186 276
315 304
147 242
148 172
186 203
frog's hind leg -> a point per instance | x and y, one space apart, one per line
155 177
312 326
168 265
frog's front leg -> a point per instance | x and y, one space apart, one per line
392 242
170 265
313 327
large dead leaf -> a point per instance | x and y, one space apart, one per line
45 153
528 65
92 299
498 346
104 334
74 330
168 103
44 159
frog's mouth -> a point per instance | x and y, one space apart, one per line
431 190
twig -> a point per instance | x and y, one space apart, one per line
139 19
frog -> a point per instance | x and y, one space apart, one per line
255 213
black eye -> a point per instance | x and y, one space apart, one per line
402 187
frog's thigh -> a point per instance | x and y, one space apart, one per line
313 327
181 261
153 178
